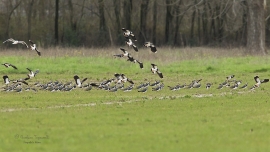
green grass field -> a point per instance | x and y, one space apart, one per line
97 120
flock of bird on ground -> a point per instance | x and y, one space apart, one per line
117 81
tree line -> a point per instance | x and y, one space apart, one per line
98 23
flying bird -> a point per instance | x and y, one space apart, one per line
151 45
15 42
258 81
125 53
121 78
7 65
128 33
131 59
32 74
33 47
78 81
155 70
7 81
130 43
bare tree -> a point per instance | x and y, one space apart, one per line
127 13
144 7
256 27
9 13
154 27
56 21
117 17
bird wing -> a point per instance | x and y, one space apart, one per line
122 49
130 81
153 49
133 37
37 52
22 42
36 72
83 80
141 64
160 74
32 42
9 40
119 55
13 66
264 80
135 48
29 69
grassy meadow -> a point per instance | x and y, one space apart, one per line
97 120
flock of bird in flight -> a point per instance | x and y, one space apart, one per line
118 80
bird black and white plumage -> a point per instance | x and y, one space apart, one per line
155 70
131 59
130 43
33 47
7 65
208 85
244 86
15 42
125 53
128 34
220 86
32 73
21 81
229 77
78 81
6 79
258 81
151 45
121 78
143 90
158 88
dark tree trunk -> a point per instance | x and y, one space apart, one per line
154 28
29 19
56 22
212 26
199 27
127 13
72 20
102 24
168 21
117 17
256 27
103 35
191 38
9 17
177 22
144 7
244 25
205 23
